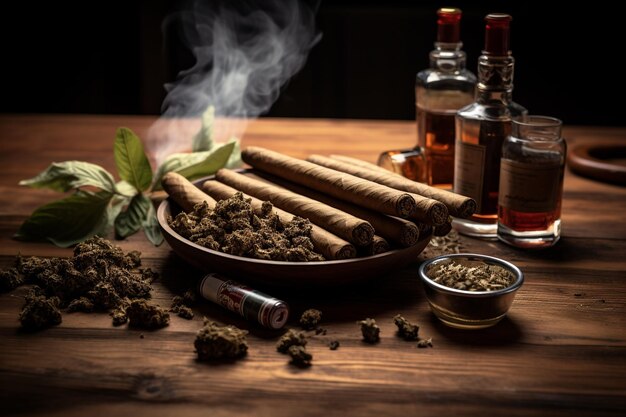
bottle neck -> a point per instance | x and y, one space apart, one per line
495 78
447 57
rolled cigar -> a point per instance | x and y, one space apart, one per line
340 185
359 163
339 223
458 205
395 230
378 245
329 245
443 229
183 192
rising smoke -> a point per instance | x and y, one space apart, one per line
245 51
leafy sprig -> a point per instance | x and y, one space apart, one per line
100 204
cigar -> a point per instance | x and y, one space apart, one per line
337 184
443 229
458 205
329 245
398 231
339 223
378 245
360 163
183 192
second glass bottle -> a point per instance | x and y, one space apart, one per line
481 128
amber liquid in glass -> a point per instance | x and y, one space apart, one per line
529 222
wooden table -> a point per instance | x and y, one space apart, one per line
561 351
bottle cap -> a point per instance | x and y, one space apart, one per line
448 25
497 34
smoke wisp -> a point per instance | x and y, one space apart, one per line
244 53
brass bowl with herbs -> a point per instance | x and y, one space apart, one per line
470 291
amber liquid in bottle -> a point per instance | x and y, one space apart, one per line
438 130
440 91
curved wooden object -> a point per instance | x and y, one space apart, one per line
604 162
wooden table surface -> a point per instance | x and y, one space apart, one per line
561 351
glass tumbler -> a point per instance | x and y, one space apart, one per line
531 183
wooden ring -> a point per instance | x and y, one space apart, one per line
599 161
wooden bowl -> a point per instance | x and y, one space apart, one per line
285 274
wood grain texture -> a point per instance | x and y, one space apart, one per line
561 351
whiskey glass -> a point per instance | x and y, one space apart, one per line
531 183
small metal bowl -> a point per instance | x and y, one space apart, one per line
469 309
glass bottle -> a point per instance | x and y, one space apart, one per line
440 91
481 128
531 183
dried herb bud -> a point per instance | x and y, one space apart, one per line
132 259
320 330
333 345
177 301
81 304
189 298
310 319
119 316
299 356
424 343
406 330
148 275
443 245
291 338
10 279
220 342
185 312
233 227
146 316
370 330
40 312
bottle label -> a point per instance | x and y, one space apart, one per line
527 187
469 170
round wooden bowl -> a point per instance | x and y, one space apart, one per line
286 274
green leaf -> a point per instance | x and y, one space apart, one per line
195 165
130 159
203 140
68 221
216 160
234 161
64 176
151 227
125 189
130 220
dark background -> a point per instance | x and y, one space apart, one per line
113 57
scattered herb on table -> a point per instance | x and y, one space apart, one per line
143 315
369 330
424 343
406 329
99 277
215 342
443 245
291 338
99 203
299 356
310 319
